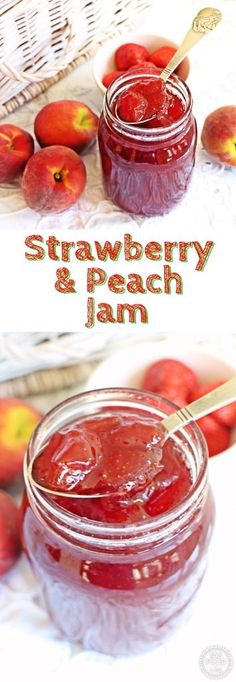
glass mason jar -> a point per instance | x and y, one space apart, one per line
118 588
146 171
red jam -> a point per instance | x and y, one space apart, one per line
149 103
110 579
120 460
147 166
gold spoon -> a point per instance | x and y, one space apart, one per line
219 397
204 22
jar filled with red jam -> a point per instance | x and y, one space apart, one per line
147 167
115 523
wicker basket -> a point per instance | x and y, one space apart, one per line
40 40
38 363
49 367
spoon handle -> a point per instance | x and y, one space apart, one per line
205 21
223 395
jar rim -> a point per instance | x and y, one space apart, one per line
81 526
174 83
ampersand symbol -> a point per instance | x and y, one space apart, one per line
63 284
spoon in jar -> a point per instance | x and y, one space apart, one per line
219 397
205 21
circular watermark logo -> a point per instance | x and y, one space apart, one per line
216 662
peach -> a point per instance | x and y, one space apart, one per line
16 147
10 545
66 122
219 135
53 180
17 422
